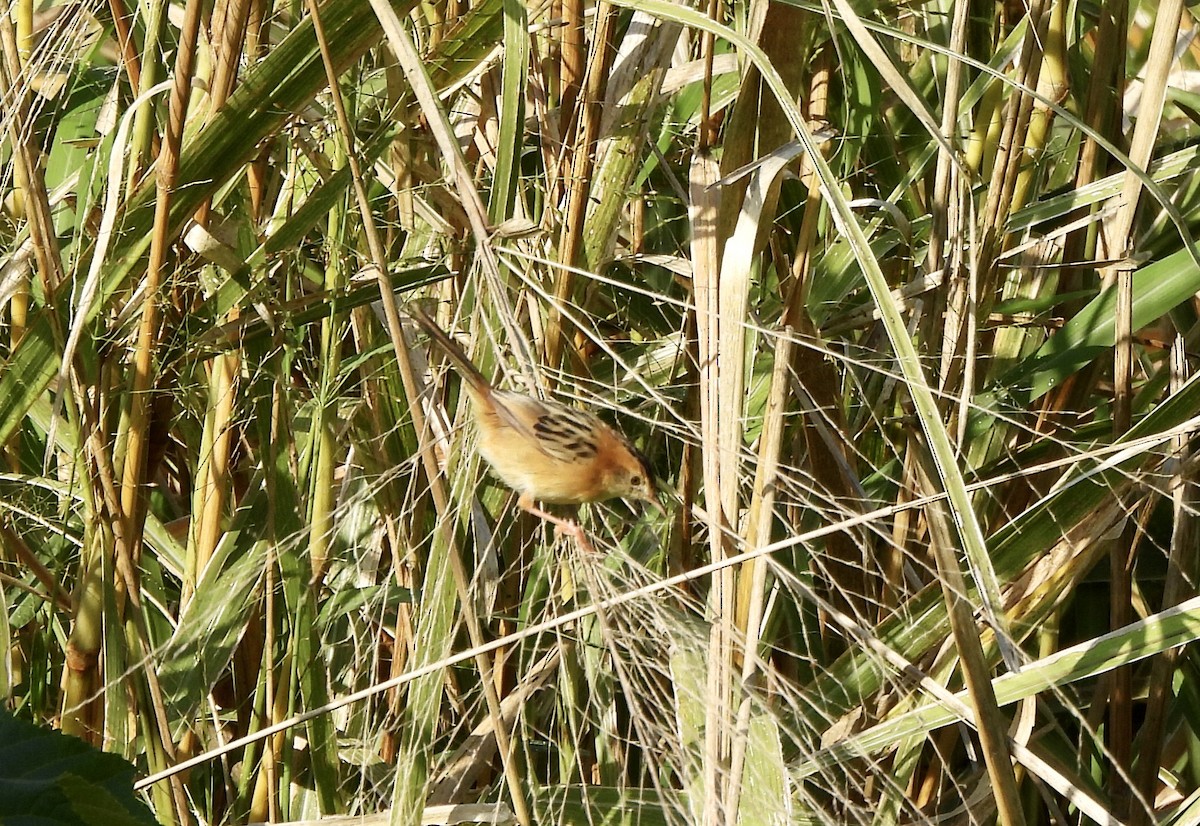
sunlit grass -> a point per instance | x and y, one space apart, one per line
898 304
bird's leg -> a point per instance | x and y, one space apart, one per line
566 527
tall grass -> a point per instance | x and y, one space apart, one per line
899 301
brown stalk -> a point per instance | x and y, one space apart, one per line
579 181
230 36
54 589
707 135
572 61
161 239
129 55
138 433
213 478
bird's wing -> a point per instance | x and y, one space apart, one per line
560 432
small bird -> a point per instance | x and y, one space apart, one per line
544 450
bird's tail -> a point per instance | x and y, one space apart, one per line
477 382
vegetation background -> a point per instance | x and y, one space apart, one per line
899 298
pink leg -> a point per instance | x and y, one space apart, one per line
562 526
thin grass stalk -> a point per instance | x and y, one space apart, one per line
213 478
806 250
632 107
752 578
19 302
267 789
1119 731
897 80
703 209
145 129
406 54
943 175
272 711
11 671
1102 113
851 584
991 724
684 550
1008 344
54 591
23 140
228 45
1179 583
1052 84
946 183
706 135
1145 133
322 484
254 51
794 313
1009 159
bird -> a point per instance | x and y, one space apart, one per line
546 451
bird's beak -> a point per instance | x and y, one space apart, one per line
658 506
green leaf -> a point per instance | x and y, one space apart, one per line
1157 289
214 621
49 778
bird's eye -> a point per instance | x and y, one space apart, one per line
635 480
